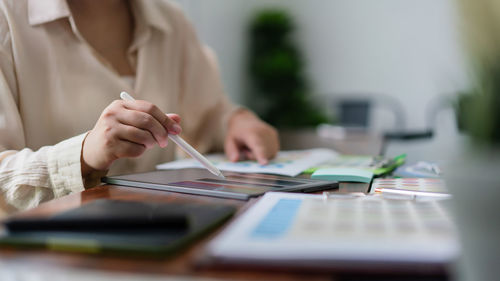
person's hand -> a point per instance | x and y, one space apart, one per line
126 129
251 138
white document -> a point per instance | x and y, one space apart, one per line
287 163
290 228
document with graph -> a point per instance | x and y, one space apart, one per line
286 163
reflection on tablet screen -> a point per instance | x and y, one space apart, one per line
242 183
223 187
263 181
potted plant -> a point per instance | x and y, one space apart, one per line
278 89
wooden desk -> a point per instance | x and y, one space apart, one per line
183 264
187 263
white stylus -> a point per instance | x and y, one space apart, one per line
185 146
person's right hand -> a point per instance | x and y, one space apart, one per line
126 129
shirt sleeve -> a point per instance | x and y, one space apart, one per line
205 107
29 177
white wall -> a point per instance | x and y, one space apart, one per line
407 50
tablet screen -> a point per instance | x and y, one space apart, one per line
201 182
223 187
249 184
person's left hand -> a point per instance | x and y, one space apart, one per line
251 138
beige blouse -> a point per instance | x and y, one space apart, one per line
54 86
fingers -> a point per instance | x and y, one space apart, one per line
126 129
248 154
232 150
135 135
259 151
146 116
252 139
125 148
252 148
174 117
170 125
146 123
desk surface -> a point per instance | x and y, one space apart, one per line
189 262
186 263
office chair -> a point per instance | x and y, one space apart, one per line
354 112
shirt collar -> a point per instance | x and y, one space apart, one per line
40 12
148 12
44 11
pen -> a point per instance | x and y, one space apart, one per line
408 194
185 146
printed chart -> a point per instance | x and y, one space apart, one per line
287 163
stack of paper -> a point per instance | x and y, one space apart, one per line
287 163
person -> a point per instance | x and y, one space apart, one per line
63 64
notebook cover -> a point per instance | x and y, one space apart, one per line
155 242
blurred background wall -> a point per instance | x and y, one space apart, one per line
403 51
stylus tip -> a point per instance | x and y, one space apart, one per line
220 175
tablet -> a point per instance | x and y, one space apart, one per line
201 182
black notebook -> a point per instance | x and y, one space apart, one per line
118 227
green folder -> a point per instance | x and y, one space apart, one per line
379 166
